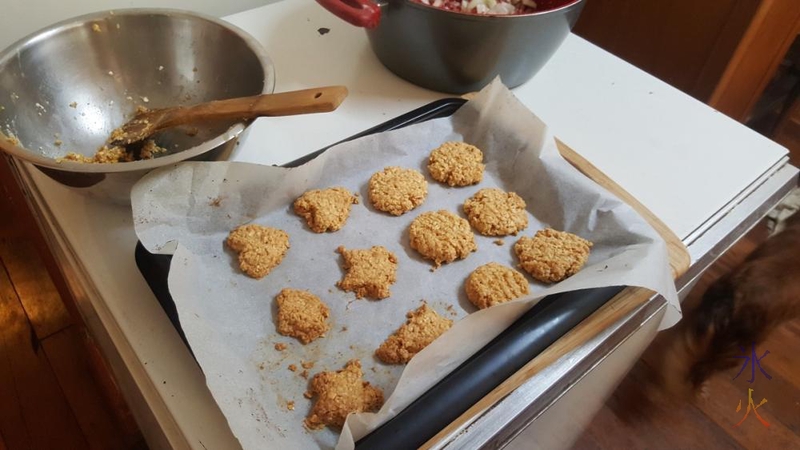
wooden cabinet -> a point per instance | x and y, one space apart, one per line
719 51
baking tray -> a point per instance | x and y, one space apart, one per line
532 333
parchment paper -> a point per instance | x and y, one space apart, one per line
228 317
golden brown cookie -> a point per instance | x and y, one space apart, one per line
260 249
325 209
397 190
456 164
422 327
369 272
494 212
339 394
441 236
302 315
551 256
493 283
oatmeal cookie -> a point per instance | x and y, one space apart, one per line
325 209
456 164
369 272
302 315
494 212
260 249
441 236
339 394
551 255
422 327
493 283
397 190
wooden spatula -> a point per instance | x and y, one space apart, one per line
305 101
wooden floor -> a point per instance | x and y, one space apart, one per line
49 398
640 416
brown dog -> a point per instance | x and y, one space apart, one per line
738 310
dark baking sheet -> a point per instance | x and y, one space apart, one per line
532 333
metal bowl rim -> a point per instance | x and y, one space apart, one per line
148 164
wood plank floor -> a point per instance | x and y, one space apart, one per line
49 398
639 415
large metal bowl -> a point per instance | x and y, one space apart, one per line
458 52
67 87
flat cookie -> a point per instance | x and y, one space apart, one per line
369 272
339 394
301 315
441 236
456 164
493 283
397 190
551 256
260 249
494 212
422 327
325 209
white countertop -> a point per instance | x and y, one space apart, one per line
683 160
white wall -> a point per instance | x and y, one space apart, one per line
18 18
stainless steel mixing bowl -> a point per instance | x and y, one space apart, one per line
67 87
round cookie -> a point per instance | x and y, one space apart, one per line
397 190
551 255
494 212
456 164
441 236
325 209
493 283
260 249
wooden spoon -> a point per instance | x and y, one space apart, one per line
305 101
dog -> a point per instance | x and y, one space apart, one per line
738 310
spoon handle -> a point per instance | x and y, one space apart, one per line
305 101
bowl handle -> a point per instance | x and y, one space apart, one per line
361 13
